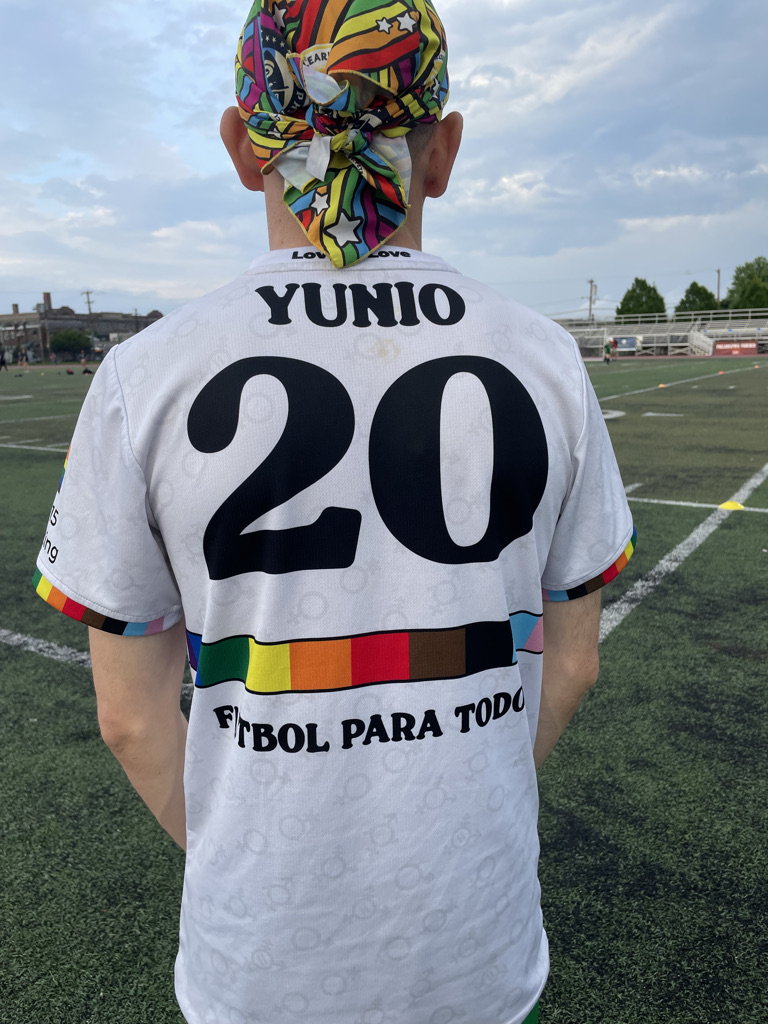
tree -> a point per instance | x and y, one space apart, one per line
70 340
749 287
754 295
696 298
642 298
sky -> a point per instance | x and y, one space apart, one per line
604 141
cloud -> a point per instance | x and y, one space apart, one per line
530 64
648 176
599 142
670 251
141 241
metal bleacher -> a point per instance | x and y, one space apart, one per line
685 334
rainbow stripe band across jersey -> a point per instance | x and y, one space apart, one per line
598 581
527 632
346 662
80 613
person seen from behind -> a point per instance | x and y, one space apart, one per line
376 524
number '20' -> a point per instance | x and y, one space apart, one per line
404 463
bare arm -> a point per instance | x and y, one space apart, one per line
570 667
138 688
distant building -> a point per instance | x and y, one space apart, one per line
33 331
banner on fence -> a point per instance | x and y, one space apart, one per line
735 348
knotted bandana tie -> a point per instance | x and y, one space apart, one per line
346 167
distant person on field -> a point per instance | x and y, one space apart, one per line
377 524
3 362
607 352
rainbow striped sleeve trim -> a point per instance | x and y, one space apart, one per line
64 470
344 663
599 581
80 613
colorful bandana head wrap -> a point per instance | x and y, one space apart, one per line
346 186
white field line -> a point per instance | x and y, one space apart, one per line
693 504
674 383
616 613
36 419
33 448
631 487
55 651
67 655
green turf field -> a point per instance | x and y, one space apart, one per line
654 870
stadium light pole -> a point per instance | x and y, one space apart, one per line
592 296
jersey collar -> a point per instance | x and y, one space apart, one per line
387 256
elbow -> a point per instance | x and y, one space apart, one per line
591 670
117 730
582 671
594 674
130 731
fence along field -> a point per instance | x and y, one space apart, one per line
653 868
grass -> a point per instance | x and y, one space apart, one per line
90 885
653 868
653 865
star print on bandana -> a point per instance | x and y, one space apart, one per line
292 68
345 231
319 203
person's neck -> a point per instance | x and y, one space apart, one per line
285 232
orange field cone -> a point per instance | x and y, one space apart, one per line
719 372
662 385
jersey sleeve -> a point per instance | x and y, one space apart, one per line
102 561
594 536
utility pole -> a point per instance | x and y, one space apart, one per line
87 294
718 287
592 296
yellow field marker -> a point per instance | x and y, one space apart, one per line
732 506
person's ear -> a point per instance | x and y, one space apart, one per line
238 145
443 147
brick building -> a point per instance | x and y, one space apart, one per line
34 330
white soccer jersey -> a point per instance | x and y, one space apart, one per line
357 487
